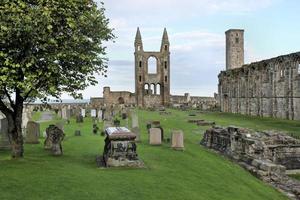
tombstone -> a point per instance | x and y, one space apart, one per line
93 113
83 112
100 113
177 140
53 140
32 132
77 133
79 119
155 135
135 120
4 139
136 131
59 114
66 113
107 115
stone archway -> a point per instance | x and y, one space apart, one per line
121 100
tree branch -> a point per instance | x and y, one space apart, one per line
9 98
4 108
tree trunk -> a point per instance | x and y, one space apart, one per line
15 135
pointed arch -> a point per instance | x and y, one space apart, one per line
152 65
146 88
158 89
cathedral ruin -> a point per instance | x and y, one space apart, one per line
152 88
269 88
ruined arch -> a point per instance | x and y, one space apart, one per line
121 100
152 65
146 88
158 89
153 89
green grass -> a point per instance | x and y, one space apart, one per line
194 174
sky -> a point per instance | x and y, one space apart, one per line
196 30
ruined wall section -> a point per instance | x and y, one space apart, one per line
269 88
118 97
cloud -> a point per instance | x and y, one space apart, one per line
197 53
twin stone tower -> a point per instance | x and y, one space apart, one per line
152 88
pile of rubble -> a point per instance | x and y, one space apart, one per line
267 155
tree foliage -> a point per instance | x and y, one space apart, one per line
47 47
51 46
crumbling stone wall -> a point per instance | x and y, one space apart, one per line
204 103
269 88
118 97
267 155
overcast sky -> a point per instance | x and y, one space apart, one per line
197 40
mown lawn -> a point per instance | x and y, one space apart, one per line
195 173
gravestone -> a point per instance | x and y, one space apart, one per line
95 129
77 133
100 113
4 139
136 131
53 140
93 113
79 119
155 135
135 120
83 112
177 140
32 132
65 113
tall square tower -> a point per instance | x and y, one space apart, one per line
234 48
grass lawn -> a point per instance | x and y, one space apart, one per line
194 174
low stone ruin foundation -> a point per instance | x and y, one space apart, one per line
267 155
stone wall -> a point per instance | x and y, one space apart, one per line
118 97
203 103
269 88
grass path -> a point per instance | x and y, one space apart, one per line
195 174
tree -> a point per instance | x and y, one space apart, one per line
48 47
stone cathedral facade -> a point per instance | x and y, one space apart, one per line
268 88
152 88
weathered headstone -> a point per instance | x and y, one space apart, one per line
4 139
32 132
177 140
155 135
79 119
95 129
53 141
136 131
66 113
83 112
135 120
100 113
93 113
77 133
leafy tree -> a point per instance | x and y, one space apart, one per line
48 47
